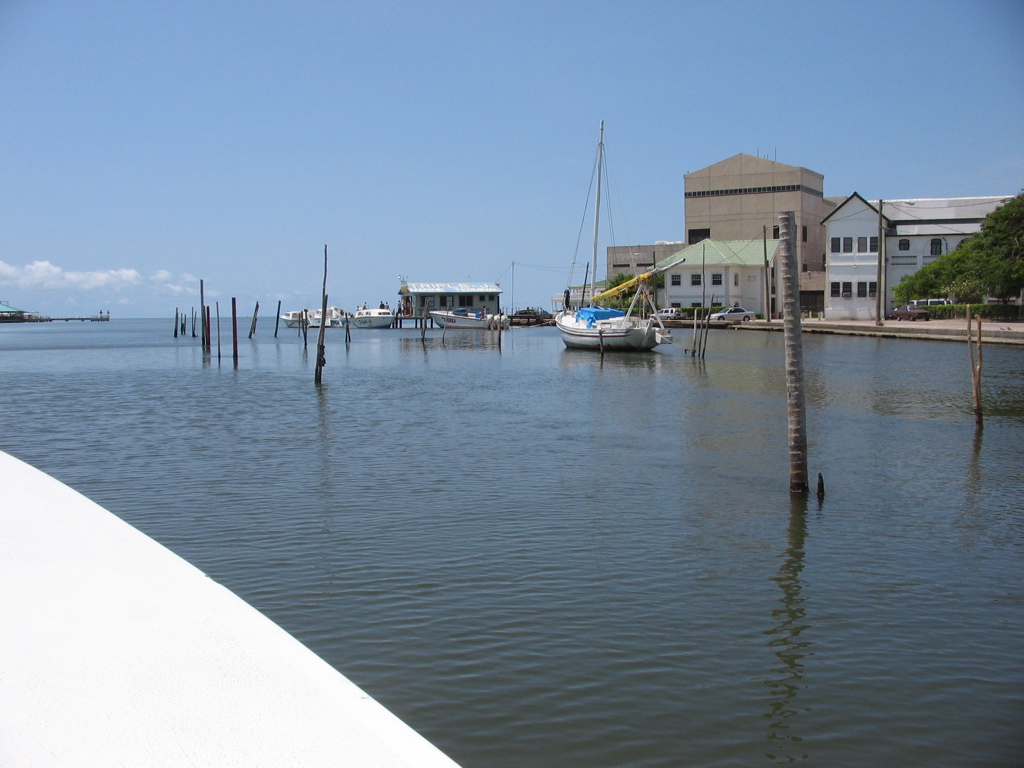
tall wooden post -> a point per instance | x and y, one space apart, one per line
175 322
202 312
979 420
277 323
255 315
794 355
234 328
321 352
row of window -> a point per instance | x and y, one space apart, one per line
870 245
845 290
695 278
756 191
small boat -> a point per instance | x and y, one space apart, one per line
336 318
465 318
366 317
599 328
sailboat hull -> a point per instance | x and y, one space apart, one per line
621 334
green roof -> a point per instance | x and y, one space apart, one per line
746 253
7 308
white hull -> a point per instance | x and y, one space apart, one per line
336 318
373 318
470 321
624 334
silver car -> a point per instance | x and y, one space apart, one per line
733 315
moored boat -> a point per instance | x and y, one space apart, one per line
379 317
467 319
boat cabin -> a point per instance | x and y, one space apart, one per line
419 299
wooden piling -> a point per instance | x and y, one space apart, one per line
202 312
218 331
175 322
321 352
255 315
979 419
794 355
277 322
234 329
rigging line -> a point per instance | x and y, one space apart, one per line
583 219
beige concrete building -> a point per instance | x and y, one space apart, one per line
741 197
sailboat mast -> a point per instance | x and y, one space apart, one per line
597 209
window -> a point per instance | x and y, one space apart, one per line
847 290
936 247
803 233
904 244
736 278
716 278
677 279
695 278
862 245
835 245
847 245
835 290
696 235
465 301
775 232
872 289
873 244
696 304
862 290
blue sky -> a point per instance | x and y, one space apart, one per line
145 145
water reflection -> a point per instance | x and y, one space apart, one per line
790 620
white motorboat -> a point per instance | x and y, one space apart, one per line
596 327
467 319
336 318
366 317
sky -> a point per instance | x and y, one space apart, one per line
145 146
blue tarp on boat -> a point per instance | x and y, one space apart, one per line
592 314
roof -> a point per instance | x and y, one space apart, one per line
8 308
931 215
745 253
418 288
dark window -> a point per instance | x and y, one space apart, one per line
696 235
735 278
465 301
873 245
862 245
847 245
695 278
775 232
716 278
803 232
677 279
904 245
872 289
835 290
836 248
862 290
936 247
847 290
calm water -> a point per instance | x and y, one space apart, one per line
537 559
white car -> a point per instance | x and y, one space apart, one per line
669 313
733 315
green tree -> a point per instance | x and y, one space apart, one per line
990 263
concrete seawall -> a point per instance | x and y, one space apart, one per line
116 652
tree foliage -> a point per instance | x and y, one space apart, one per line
990 263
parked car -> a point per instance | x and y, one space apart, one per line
930 303
669 313
911 313
733 315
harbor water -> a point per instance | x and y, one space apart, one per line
536 557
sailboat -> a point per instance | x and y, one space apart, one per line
600 328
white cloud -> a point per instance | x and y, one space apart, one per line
47 276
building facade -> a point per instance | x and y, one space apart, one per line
911 233
731 273
740 198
